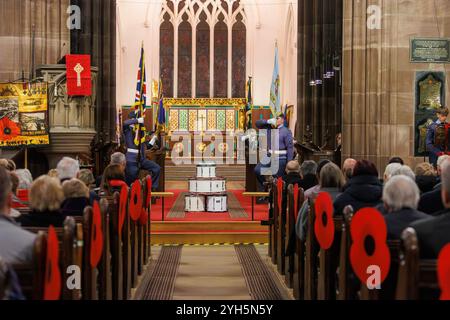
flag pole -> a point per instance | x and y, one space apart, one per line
141 108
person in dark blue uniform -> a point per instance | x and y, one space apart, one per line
436 136
279 155
133 164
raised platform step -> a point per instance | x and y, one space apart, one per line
183 172
208 232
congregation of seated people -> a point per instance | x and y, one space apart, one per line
45 201
418 198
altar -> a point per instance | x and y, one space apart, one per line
203 127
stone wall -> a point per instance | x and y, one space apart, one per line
378 78
18 19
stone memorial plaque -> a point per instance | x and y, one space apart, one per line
430 50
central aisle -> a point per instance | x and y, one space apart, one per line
241 272
210 273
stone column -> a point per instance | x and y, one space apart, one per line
378 78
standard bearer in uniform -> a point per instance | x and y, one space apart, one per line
133 163
279 155
436 140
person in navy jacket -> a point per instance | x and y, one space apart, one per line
132 154
281 154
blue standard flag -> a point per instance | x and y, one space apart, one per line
275 100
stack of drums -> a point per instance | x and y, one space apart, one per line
207 192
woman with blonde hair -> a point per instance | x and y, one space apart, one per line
46 196
76 195
425 177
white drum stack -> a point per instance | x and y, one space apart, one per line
207 192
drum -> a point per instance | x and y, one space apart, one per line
217 204
194 203
205 185
206 170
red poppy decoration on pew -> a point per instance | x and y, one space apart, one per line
280 192
324 224
135 205
149 182
443 270
369 248
123 202
96 236
296 209
52 285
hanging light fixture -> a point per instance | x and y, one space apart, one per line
312 81
318 79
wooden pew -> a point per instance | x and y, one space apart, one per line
290 229
311 251
417 278
126 255
326 289
281 234
273 221
97 279
70 242
299 258
116 247
31 276
349 286
345 290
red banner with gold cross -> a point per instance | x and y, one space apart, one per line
78 67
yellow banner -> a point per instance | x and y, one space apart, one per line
23 115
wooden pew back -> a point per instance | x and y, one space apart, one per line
417 278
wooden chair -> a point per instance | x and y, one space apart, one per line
417 278
31 276
311 251
299 259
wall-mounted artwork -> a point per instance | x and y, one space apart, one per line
430 96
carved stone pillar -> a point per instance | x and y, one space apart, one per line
72 125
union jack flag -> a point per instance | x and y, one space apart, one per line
140 100
141 87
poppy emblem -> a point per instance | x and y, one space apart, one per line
369 248
324 224
135 206
96 236
8 129
443 271
52 285
280 192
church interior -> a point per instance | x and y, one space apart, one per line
247 150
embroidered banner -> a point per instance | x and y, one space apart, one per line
23 115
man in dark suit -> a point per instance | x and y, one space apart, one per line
434 233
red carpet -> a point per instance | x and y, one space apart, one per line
261 211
